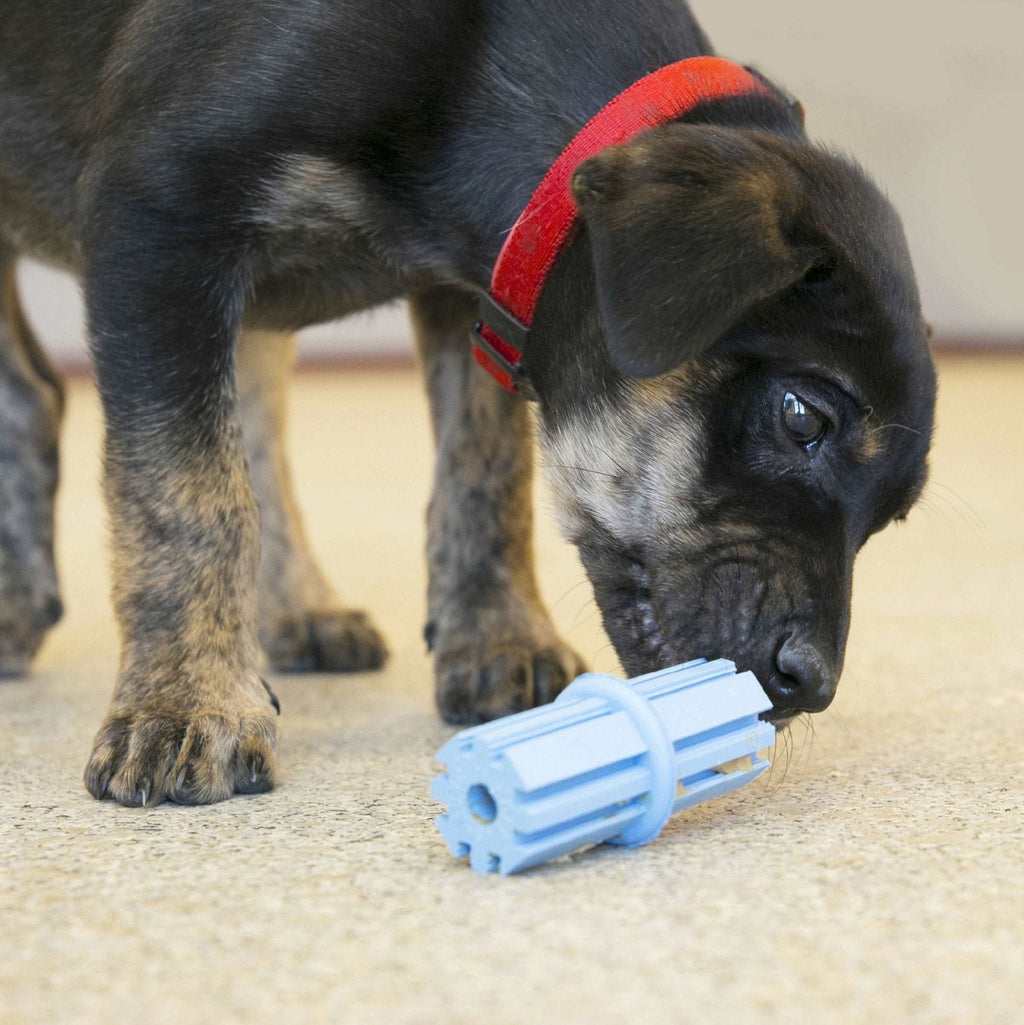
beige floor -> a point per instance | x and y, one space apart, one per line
876 876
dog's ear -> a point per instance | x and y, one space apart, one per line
689 227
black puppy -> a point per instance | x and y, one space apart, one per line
734 383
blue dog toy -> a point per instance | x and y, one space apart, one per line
608 762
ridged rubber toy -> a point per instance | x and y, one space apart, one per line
608 762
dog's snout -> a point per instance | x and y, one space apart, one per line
805 681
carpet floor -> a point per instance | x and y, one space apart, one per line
874 875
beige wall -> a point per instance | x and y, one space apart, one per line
928 95
930 98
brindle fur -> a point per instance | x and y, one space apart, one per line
31 406
495 649
190 717
220 174
302 624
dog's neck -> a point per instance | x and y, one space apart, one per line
523 95
548 222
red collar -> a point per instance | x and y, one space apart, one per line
547 223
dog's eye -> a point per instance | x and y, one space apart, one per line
804 424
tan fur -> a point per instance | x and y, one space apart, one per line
869 445
302 621
630 466
190 717
309 193
495 649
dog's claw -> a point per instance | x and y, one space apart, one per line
273 697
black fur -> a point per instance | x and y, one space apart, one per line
223 167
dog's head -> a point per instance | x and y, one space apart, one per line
739 392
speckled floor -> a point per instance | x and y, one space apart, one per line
875 876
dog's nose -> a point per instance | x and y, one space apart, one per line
806 681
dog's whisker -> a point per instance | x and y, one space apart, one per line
618 466
894 427
595 659
929 507
961 506
802 720
941 509
810 736
787 751
774 758
840 720
565 594
582 469
589 605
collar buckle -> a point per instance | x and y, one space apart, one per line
499 339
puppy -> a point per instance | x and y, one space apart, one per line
733 379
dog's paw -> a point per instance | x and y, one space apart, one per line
480 681
329 641
23 626
142 756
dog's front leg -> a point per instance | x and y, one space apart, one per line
190 720
302 624
495 649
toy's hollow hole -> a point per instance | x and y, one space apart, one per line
481 803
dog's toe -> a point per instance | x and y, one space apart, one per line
553 671
254 764
329 641
142 758
479 683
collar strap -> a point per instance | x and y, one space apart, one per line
546 225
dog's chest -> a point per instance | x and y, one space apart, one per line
317 254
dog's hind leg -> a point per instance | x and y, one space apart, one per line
31 405
495 649
302 625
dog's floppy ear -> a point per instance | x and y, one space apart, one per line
688 227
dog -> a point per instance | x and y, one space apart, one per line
732 374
